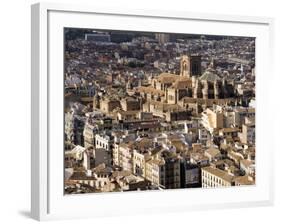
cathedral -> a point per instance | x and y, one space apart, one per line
170 93
171 88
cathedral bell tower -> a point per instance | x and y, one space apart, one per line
184 66
190 66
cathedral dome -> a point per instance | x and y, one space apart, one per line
210 75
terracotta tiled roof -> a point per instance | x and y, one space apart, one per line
150 90
219 173
182 84
166 78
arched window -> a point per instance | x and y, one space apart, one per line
184 66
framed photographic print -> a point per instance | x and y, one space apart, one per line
151 111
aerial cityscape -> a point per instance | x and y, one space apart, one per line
157 111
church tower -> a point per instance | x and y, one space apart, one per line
184 66
190 66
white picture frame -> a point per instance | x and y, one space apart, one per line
48 201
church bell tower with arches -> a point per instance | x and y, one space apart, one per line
190 66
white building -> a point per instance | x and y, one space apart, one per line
76 153
212 120
213 177
103 141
